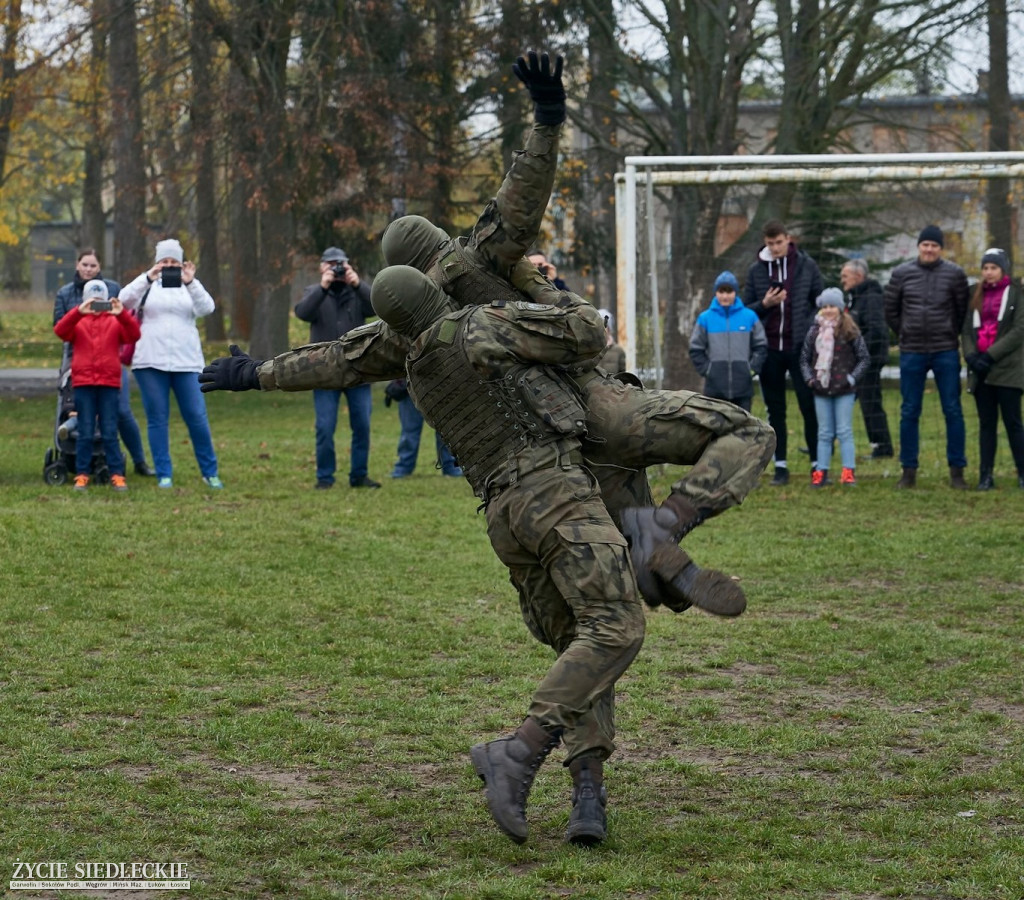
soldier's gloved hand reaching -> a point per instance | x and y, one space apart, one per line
544 85
236 372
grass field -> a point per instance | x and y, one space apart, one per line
278 686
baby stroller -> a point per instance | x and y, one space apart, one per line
60 460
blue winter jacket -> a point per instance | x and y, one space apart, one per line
727 343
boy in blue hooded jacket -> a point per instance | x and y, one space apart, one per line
728 345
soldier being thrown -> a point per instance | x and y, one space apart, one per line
628 428
491 380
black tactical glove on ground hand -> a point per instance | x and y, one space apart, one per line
545 87
236 372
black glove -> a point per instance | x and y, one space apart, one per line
981 364
545 87
395 390
236 372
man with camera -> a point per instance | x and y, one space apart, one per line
333 307
782 287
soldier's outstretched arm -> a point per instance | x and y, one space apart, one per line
510 223
372 352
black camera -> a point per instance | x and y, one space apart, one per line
101 305
170 276
339 270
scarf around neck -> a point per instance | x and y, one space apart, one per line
825 348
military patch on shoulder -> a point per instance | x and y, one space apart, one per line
446 333
531 307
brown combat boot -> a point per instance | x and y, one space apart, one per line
507 766
588 823
690 585
956 478
649 528
907 480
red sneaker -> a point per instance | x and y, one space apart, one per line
847 477
819 478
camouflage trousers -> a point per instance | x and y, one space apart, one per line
578 595
630 428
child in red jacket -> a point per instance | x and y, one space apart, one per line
97 327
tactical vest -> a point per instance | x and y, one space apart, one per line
467 282
499 430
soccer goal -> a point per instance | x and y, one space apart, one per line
900 191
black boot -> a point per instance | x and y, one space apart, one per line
507 766
781 477
956 478
907 480
986 482
588 823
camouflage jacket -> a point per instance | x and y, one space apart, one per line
491 380
505 231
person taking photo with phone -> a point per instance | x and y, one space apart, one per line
168 298
96 328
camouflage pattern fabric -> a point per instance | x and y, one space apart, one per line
629 429
547 524
727 447
577 593
372 352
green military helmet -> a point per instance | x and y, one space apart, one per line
412 241
407 300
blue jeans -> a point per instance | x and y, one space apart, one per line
126 423
409 443
835 422
155 385
325 405
914 368
92 401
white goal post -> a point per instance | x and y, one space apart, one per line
648 171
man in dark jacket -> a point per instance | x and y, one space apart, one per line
333 307
925 305
782 286
866 306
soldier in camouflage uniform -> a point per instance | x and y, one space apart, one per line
491 380
628 428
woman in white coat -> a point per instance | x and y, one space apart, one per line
169 356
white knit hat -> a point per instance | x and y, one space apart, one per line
95 290
169 249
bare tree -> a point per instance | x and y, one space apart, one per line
999 209
126 117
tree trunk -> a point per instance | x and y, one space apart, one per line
201 52
93 232
130 172
1000 228
8 78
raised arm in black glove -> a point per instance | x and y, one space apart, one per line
236 372
544 85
